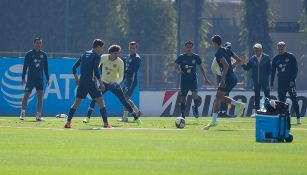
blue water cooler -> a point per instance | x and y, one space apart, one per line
273 128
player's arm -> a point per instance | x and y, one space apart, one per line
46 69
97 66
120 72
234 65
74 70
237 58
202 69
273 71
25 68
248 65
225 70
294 71
177 65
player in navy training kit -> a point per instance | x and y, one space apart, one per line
286 65
112 68
132 65
185 64
228 80
87 83
35 63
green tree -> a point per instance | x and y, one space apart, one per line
256 26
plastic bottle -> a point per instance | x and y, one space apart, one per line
262 104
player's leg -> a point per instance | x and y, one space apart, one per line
38 116
80 95
257 88
229 85
89 111
128 93
293 96
184 89
72 111
117 91
216 108
28 89
197 101
103 112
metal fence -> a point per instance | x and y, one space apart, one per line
157 71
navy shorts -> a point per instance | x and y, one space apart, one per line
31 85
89 88
187 86
230 83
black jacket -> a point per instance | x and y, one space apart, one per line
260 71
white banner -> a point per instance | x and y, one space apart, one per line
166 103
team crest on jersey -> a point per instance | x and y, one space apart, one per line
42 56
114 65
287 60
193 61
280 65
186 66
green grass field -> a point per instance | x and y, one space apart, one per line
156 148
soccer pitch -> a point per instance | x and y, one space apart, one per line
158 147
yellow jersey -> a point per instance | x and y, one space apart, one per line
112 71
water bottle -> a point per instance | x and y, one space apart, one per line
262 104
289 101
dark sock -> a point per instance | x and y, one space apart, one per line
89 112
182 107
134 115
71 114
104 115
196 102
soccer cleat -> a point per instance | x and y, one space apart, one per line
195 111
240 109
67 125
22 116
123 119
86 120
298 121
39 119
138 122
106 125
211 123
253 115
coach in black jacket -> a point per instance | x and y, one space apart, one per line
286 65
261 69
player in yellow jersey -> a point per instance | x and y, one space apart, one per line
112 69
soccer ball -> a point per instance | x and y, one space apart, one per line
180 122
61 116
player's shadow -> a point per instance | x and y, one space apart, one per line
226 130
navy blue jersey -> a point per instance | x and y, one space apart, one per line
89 62
227 54
132 65
188 65
35 63
286 66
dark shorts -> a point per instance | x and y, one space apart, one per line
230 83
187 86
89 88
31 85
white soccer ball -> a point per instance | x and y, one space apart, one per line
180 122
61 116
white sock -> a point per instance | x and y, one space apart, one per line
214 116
125 114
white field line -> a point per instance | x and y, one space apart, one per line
134 129
78 129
